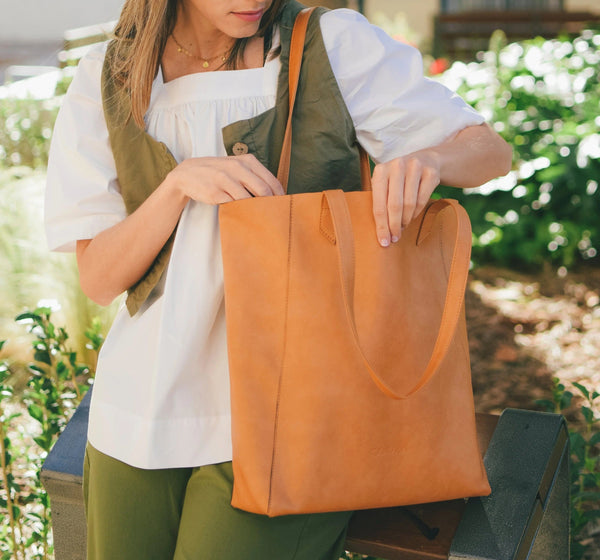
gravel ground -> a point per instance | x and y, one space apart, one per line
526 329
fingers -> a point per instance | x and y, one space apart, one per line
414 170
396 198
401 189
430 179
380 185
246 177
214 180
227 188
270 184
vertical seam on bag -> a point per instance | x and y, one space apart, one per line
285 325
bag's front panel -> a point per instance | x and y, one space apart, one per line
420 449
425 447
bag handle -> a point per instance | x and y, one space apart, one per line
295 63
457 280
344 237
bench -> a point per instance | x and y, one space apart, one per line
526 516
461 35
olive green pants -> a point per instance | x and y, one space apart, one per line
185 514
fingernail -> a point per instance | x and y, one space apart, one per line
384 242
395 239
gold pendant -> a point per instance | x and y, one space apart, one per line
205 64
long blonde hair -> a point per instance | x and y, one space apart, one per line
140 38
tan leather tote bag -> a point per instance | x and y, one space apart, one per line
349 363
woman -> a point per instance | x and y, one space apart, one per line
193 74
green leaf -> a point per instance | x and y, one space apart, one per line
42 356
28 316
72 358
545 404
44 441
583 389
565 401
592 514
578 445
587 414
82 370
595 439
37 369
36 412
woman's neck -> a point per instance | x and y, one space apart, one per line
175 63
197 35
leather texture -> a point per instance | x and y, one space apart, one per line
349 362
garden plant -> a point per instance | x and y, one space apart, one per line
56 384
543 96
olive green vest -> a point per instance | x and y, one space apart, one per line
324 146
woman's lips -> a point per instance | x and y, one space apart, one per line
250 16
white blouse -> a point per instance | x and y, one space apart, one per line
161 394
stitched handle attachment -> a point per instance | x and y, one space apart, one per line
457 280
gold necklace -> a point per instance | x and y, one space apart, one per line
205 61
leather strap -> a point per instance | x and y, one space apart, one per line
295 63
457 280
344 236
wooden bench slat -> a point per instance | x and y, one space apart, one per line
392 533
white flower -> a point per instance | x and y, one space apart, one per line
588 148
509 57
52 304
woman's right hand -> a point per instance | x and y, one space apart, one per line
214 180
119 256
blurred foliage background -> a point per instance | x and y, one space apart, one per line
543 97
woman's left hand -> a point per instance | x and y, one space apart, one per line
401 189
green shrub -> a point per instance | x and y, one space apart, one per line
55 385
543 96
25 131
584 464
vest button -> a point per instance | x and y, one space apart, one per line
239 149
